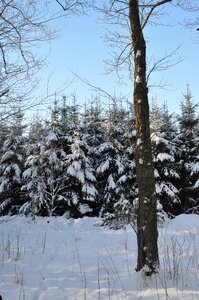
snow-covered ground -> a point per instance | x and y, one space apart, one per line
60 259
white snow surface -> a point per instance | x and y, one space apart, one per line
165 156
195 168
51 137
138 79
8 155
138 53
64 259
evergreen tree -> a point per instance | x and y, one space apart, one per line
116 170
46 165
81 192
164 154
4 132
67 122
188 156
37 129
168 123
155 118
33 187
92 126
12 166
45 176
93 134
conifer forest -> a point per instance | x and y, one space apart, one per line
81 163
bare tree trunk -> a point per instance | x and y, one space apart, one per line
147 234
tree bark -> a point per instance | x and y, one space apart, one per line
147 235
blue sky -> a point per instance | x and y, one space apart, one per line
80 47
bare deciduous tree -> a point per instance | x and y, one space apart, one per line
134 15
147 235
24 25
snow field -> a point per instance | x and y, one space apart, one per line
60 259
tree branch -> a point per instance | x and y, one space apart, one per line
154 6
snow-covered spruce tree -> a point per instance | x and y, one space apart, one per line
45 177
116 170
36 132
93 131
163 132
46 169
125 209
67 119
12 166
93 134
33 187
188 155
81 193
4 132
155 117
37 129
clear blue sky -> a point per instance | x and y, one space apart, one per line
80 47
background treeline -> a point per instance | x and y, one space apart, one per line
81 163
